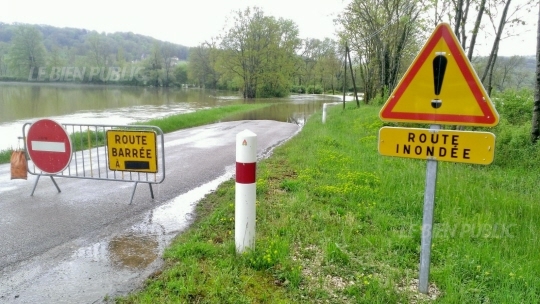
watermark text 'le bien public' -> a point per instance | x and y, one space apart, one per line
82 74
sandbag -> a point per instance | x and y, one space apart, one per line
19 165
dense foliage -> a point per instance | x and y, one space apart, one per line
514 147
46 53
263 56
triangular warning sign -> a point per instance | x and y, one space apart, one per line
440 87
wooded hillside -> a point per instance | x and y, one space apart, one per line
45 53
134 46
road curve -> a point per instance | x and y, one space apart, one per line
41 234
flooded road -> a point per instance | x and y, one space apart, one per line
87 243
93 104
112 266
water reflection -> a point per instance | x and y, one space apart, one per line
89 104
26 101
134 251
286 112
113 265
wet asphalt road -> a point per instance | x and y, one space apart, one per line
41 234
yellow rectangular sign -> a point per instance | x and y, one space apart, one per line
134 151
442 145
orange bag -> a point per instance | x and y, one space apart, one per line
19 165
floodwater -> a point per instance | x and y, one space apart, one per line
119 105
118 263
111 267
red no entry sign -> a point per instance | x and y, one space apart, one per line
49 146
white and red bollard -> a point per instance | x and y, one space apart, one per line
244 210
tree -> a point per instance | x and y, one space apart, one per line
381 33
181 74
198 65
278 67
329 65
507 72
481 8
27 53
258 52
508 17
495 49
55 59
121 57
167 52
4 48
535 131
311 51
203 65
98 50
153 66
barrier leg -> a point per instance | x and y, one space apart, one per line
151 191
135 187
37 180
35 185
54 182
133 192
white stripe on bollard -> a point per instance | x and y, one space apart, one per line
245 194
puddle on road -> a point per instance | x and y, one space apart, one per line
113 266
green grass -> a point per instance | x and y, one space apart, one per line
84 140
5 156
338 223
201 117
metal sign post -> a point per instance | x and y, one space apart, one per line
420 98
427 222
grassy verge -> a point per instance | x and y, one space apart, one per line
338 223
5 156
166 124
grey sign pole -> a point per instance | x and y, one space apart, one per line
427 222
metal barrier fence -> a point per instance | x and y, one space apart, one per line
93 152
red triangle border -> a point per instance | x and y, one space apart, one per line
489 118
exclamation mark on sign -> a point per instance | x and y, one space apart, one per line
439 67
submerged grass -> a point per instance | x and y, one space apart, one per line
338 223
167 124
201 117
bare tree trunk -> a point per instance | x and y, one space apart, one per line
352 75
345 77
535 132
481 9
463 23
457 19
495 49
490 77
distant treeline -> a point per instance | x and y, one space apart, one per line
46 53
286 63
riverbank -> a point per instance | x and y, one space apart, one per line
338 223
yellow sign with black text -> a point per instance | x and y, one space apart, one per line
134 151
440 145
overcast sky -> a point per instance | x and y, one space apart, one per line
191 22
